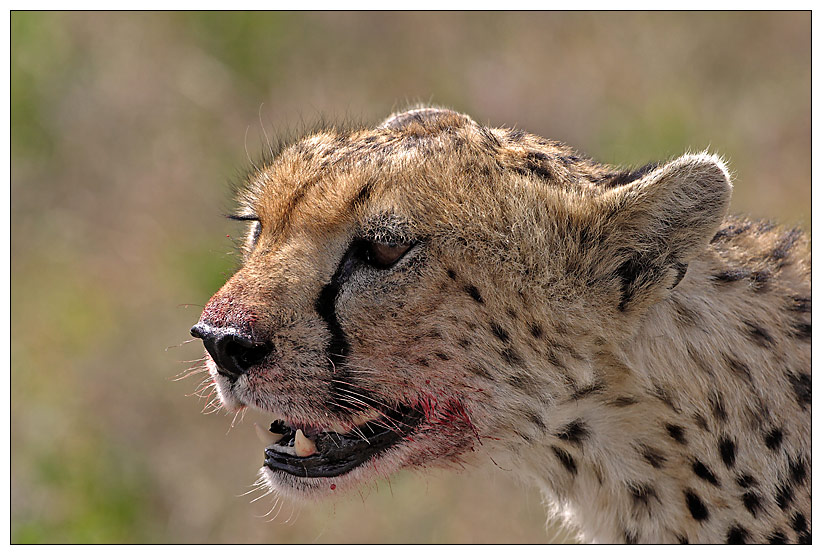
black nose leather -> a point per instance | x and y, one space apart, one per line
233 352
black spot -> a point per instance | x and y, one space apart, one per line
499 331
536 331
759 335
629 273
700 362
474 292
524 437
623 402
442 356
511 356
802 330
784 495
489 140
365 193
730 276
654 457
585 238
739 368
682 539
785 243
799 523
627 176
427 118
481 372
746 481
698 509
452 274
566 459
727 450
465 343
422 362
515 135
800 304
758 416
701 421
804 538
586 390
630 537
553 359
598 473
737 534
798 471
752 502
523 382
731 230
759 280
511 313
802 388
642 493
777 537
773 439
536 163
677 433
680 268
664 395
574 432
704 472
684 314
535 418
718 407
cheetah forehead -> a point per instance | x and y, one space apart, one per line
417 161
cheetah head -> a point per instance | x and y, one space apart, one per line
403 287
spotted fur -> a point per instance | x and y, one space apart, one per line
610 334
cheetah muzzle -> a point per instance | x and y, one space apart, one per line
434 292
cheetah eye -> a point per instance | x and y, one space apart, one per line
384 255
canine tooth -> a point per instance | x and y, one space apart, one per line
266 437
303 446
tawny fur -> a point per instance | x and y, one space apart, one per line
610 334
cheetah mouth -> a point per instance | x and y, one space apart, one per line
315 453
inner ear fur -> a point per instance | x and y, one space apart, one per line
658 223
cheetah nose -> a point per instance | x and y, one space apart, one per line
233 352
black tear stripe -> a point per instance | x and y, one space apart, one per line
346 396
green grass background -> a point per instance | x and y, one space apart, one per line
126 129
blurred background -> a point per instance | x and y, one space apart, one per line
126 130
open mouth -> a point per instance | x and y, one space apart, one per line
315 453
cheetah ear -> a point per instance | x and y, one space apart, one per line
658 223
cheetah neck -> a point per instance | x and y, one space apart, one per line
676 441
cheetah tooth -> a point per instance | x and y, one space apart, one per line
361 419
338 428
303 446
266 437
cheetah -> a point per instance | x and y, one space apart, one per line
435 292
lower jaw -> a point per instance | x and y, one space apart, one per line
338 455
301 488
315 467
